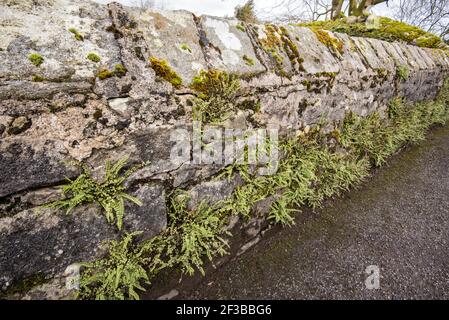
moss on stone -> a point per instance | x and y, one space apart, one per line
77 35
402 72
388 30
105 74
277 41
334 44
240 27
249 61
37 78
163 70
36 59
120 70
213 83
24 285
93 57
185 47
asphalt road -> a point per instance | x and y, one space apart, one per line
398 220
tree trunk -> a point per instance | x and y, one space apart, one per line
337 5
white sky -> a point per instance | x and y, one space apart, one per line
226 7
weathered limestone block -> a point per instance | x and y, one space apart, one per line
172 36
317 57
44 242
30 164
44 30
228 46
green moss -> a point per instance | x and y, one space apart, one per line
36 59
248 60
216 94
334 44
250 104
25 285
389 30
402 72
278 41
120 70
77 35
37 78
240 27
164 71
185 47
105 74
93 57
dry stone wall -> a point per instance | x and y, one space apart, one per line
60 110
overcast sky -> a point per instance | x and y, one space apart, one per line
225 7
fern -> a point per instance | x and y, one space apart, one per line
109 193
118 276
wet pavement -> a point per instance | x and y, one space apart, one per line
398 220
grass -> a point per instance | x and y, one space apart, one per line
389 30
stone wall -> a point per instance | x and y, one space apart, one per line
61 110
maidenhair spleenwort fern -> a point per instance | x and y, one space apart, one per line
309 172
119 276
109 193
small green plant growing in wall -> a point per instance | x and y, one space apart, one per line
120 70
249 61
93 57
402 72
109 193
216 92
36 59
77 35
37 78
240 27
164 71
119 276
105 74
185 47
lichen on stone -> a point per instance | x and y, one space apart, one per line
36 59
278 40
163 70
